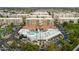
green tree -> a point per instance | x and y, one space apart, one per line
53 47
24 22
71 21
73 39
29 47
65 45
65 24
56 22
78 21
13 45
9 28
12 25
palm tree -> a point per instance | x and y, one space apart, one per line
24 21
56 23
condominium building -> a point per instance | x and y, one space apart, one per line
8 21
39 28
66 17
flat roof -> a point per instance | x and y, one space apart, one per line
22 14
39 18
68 17
10 18
40 12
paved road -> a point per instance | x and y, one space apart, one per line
76 48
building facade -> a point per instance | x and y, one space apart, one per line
7 21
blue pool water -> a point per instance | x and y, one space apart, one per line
35 32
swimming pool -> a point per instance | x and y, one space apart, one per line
37 35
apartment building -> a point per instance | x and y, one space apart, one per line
40 28
66 17
8 21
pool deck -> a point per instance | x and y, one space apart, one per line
40 35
